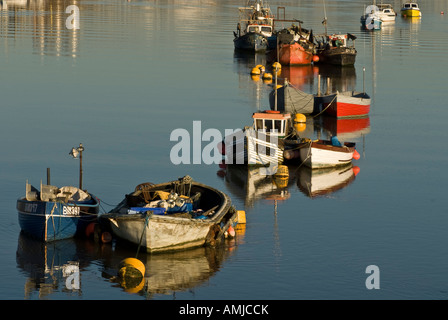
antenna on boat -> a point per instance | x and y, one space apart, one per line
364 80
74 153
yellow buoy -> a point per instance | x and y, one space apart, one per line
300 126
299 118
279 86
267 76
261 67
276 65
282 171
255 71
131 267
241 216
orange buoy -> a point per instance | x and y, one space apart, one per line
356 155
106 237
231 231
356 170
315 58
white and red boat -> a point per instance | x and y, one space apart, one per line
323 153
349 104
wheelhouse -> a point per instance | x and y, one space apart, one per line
272 123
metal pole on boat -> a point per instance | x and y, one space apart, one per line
318 86
48 176
364 80
276 71
74 153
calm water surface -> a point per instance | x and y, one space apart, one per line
137 70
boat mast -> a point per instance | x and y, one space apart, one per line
325 18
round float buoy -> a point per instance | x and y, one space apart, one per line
356 155
260 67
106 237
299 126
299 118
131 267
276 65
131 274
315 58
267 76
441 12
356 170
231 231
255 71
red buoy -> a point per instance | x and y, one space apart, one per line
356 155
356 170
315 58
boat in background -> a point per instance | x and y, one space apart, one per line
410 9
371 20
386 12
334 49
56 213
290 99
173 215
254 27
295 46
349 104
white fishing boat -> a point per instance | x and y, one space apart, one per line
386 12
170 216
261 143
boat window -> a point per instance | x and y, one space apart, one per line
259 124
278 125
266 29
253 29
414 5
268 125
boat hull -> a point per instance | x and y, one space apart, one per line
251 42
338 56
294 54
157 233
411 13
316 154
349 104
50 221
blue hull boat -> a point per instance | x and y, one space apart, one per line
55 214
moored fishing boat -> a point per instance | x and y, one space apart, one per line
294 46
386 12
173 215
410 9
322 153
334 49
254 27
54 214
349 104
259 144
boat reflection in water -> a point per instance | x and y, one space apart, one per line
57 267
248 184
52 267
169 272
322 182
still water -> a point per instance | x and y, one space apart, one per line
136 70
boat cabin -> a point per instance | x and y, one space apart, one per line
410 5
272 120
264 29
